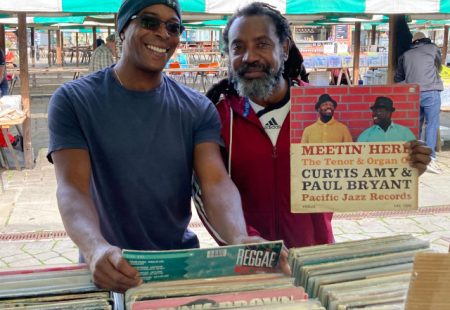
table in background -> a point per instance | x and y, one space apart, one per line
35 72
195 72
4 126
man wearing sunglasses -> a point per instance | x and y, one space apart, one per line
125 141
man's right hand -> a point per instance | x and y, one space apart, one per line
111 271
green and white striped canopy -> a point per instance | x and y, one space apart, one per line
325 6
229 6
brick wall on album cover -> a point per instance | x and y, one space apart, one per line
353 106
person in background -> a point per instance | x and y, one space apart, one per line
421 65
103 56
99 42
181 58
326 128
384 129
254 107
4 92
10 58
125 142
3 79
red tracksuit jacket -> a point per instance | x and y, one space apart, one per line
261 172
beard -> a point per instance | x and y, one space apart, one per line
326 118
256 88
326 115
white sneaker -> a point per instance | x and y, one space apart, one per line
433 167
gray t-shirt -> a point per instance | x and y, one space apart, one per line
141 147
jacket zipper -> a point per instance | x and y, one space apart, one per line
274 166
275 187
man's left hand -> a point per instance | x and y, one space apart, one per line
283 263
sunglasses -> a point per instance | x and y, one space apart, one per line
153 23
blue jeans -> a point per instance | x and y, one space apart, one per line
430 107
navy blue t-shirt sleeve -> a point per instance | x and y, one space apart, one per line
63 124
208 130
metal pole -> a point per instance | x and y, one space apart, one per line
49 54
356 52
445 45
392 58
374 34
77 50
62 48
33 51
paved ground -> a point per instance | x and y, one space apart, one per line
32 234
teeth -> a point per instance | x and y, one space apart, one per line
156 49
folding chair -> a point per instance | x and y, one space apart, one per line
176 75
214 74
202 74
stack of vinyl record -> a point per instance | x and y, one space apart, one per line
228 277
68 287
356 274
257 291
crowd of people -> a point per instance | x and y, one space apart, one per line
126 139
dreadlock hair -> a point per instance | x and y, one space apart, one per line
293 66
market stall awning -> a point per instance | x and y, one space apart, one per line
106 20
60 6
368 6
229 6
207 24
326 6
81 6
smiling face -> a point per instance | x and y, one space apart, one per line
381 117
256 55
146 49
326 111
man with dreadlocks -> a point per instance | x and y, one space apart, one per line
254 107
263 64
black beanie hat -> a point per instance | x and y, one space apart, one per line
383 102
132 7
324 98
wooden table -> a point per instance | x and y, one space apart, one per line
33 72
4 126
76 71
445 109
